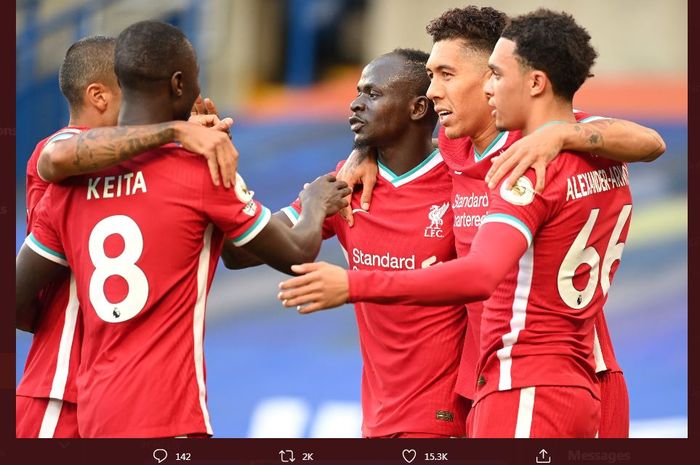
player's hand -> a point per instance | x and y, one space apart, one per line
360 168
213 121
327 193
320 286
534 151
204 106
215 146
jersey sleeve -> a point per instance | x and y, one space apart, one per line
495 250
63 134
44 238
234 210
520 207
293 212
583 117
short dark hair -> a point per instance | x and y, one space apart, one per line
416 77
480 28
89 60
552 42
149 51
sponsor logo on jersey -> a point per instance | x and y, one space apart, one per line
435 216
522 192
383 260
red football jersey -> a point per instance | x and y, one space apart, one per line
537 326
410 353
143 240
470 201
52 362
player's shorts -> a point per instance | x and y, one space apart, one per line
469 427
40 417
537 412
614 405
410 436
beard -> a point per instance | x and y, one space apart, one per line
360 144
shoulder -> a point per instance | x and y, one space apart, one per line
584 117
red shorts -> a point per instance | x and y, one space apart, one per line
410 436
614 406
45 418
537 412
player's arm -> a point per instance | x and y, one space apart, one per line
101 148
280 246
32 273
360 168
496 249
615 139
238 258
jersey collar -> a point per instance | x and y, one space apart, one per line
430 162
495 145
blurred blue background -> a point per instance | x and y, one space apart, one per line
274 373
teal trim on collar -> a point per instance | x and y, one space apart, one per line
396 177
480 156
550 123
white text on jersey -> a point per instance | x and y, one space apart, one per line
593 182
384 261
107 187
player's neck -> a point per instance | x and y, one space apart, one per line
482 139
85 118
407 153
556 111
145 111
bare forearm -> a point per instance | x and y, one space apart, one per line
306 234
280 246
101 148
238 258
614 139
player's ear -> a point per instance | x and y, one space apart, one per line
538 82
176 83
419 107
96 96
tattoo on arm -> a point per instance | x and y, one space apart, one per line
104 147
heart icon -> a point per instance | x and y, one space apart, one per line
409 455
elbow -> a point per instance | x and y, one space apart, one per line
485 286
24 322
51 169
482 292
659 147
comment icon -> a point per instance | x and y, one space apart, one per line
160 455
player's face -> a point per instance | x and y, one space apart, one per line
381 110
457 77
507 89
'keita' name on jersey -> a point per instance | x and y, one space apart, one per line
107 187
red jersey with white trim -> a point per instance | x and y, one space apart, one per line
537 326
470 202
143 240
52 362
410 353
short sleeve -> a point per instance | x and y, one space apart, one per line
234 211
293 212
521 207
583 117
44 238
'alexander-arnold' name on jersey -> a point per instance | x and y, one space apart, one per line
594 182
